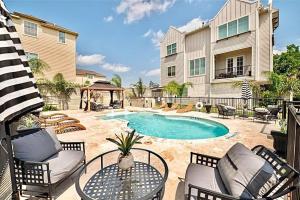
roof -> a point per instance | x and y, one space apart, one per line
104 86
85 72
44 23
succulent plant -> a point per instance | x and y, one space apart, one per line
125 143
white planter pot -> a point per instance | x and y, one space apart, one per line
125 162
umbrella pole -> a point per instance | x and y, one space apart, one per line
15 194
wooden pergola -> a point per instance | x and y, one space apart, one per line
101 86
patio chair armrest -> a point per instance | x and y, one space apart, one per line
203 193
33 173
77 146
202 159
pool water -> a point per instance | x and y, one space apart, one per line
171 127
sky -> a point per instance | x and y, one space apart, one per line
122 36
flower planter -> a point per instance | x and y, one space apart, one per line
125 162
208 108
280 143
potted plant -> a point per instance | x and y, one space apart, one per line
125 144
280 138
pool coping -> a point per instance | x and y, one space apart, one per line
226 136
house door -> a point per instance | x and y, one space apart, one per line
229 67
240 66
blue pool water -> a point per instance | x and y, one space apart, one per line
186 128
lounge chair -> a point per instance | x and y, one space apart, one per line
173 107
54 116
266 114
43 161
188 108
57 122
225 111
240 174
164 105
69 127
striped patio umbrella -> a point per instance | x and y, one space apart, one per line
18 92
18 96
246 92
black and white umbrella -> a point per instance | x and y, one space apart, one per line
18 93
18 96
246 91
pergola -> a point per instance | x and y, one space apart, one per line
101 86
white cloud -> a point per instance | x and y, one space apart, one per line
155 36
192 25
108 18
153 72
278 51
99 60
135 10
90 60
116 67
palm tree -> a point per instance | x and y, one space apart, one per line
38 66
174 88
61 88
138 89
254 86
117 81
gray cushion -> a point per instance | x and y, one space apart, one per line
64 163
51 132
35 147
245 174
205 177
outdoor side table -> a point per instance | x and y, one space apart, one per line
101 178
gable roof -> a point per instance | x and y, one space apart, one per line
47 24
85 72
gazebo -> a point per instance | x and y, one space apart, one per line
101 86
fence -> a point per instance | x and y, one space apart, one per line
293 148
237 103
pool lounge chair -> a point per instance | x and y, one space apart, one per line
164 105
43 162
240 174
54 116
188 108
225 111
173 107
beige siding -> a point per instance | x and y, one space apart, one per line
265 33
225 90
172 36
174 60
60 57
198 46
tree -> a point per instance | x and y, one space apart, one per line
61 88
174 88
117 81
139 89
153 84
254 86
288 62
38 66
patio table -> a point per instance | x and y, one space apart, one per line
102 179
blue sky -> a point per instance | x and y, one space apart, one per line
121 36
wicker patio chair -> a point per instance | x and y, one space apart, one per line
225 111
41 161
204 180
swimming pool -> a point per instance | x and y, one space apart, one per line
171 127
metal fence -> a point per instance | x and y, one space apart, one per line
293 148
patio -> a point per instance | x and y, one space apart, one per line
175 152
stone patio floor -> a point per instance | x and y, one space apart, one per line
175 152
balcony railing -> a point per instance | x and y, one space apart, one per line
233 72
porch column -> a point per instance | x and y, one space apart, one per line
111 97
81 95
89 99
122 99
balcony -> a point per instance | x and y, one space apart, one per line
233 72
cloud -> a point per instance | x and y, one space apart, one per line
90 60
155 37
278 51
108 18
116 67
135 10
152 72
192 25
99 60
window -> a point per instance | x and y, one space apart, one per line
234 27
30 28
90 76
171 71
197 67
171 49
223 31
240 65
62 37
229 65
31 55
243 24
